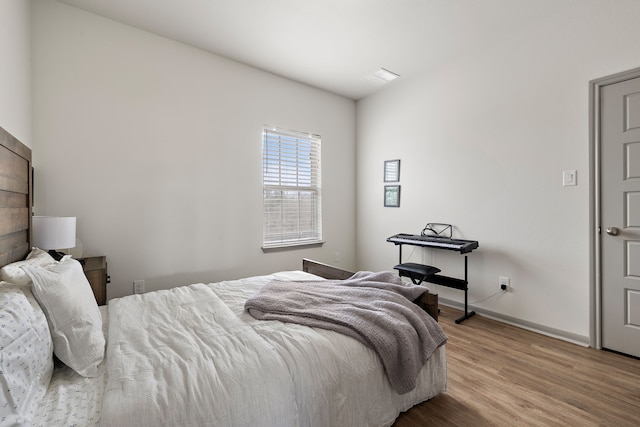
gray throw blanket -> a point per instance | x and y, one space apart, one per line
375 308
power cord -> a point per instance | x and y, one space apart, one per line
502 291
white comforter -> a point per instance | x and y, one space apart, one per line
191 356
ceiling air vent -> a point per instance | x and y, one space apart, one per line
380 77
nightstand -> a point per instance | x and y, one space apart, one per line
95 268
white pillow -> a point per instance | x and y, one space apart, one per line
65 295
13 273
26 355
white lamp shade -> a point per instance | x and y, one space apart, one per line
54 232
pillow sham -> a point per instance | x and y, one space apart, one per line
26 355
13 273
65 295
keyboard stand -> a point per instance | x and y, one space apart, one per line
426 273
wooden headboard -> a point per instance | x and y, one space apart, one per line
15 198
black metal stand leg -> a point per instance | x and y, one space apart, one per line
467 314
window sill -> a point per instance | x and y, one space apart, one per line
291 246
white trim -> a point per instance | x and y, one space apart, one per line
530 326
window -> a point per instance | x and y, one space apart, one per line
291 188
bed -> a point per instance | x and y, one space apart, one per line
191 355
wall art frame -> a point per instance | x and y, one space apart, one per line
392 170
392 196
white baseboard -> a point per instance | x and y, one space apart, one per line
530 326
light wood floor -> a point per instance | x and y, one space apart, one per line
505 376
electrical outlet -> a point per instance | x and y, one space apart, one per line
337 257
138 286
505 283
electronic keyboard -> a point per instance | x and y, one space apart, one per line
434 241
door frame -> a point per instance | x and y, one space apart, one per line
595 236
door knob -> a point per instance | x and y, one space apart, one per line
613 231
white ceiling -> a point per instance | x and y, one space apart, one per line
331 44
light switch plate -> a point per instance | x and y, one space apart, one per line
569 177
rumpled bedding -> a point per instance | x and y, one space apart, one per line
71 399
193 356
375 308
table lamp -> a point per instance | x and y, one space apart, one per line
53 233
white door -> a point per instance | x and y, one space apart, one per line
620 215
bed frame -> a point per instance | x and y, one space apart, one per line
16 185
428 301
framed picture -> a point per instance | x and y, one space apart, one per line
391 170
392 196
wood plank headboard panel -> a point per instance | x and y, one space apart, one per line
15 198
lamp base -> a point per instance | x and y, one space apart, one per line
59 255
56 255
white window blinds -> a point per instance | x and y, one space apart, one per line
291 188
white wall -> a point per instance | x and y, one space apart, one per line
156 148
483 142
15 72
